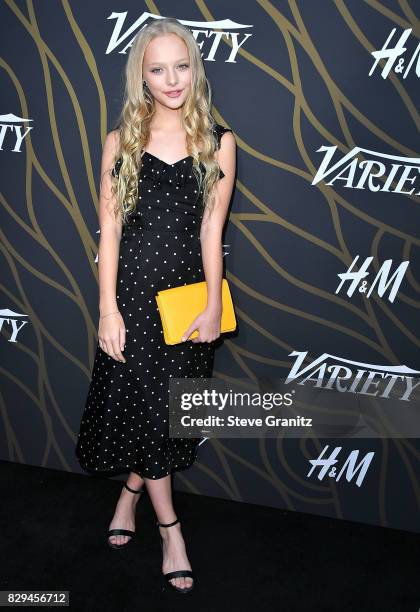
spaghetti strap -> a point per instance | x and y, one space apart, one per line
219 131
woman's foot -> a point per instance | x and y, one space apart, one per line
174 555
124 516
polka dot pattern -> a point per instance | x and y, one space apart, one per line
125 423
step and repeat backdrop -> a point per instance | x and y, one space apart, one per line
321 250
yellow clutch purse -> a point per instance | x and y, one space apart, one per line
178 307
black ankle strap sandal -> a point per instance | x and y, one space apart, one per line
178 573
126 532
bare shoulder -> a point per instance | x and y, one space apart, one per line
226 155
227 140
227 143
220 130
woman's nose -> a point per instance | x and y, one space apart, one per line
172 79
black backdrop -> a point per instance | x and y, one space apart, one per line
289 78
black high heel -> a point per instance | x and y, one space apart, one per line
177 573
126 532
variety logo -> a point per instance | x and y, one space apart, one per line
326 373
355 174
12 319
201 30
328 465
13 124
391 55
382 279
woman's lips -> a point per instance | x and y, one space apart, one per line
174 94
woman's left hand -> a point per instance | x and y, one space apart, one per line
208 325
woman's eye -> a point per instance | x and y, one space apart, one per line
183 66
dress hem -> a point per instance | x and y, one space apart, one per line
123 469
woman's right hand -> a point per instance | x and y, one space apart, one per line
111 335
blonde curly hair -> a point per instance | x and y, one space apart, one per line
133 123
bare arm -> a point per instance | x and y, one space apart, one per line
208 322
110 231
212 226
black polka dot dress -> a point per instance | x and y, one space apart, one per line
125 423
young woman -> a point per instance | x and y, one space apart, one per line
167 179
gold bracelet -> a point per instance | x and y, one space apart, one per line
110 313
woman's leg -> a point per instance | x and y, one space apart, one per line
126 508
174 553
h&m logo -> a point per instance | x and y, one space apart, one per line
382 279
328 467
